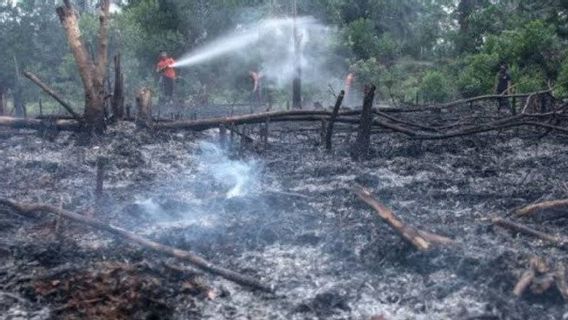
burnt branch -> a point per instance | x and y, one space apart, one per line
421 240
31 210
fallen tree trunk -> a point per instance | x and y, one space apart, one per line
37 124
53 94
30 209
541 206
456 103
204 124
421 240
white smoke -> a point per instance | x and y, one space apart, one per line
237 177
269 44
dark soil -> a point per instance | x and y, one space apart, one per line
294 224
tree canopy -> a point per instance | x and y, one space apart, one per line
413 50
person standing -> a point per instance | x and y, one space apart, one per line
167 75
503 86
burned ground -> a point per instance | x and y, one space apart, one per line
296 225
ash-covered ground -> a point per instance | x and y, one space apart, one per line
283 213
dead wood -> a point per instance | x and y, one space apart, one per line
524 282
274 116
421 240
329 131
537 266
53 94
561 282
117 103
38 124
201 263
520 228
461 102
541 206
362 143
144 106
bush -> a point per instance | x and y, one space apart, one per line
435 87
477 76
562 81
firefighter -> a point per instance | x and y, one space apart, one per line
167 75
503 86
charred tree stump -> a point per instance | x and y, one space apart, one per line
144 106
117 103
2 99
222 135
92 72
101 162
362 143
33 78
322 131
264 132
329 131
297 81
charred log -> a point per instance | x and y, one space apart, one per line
31 209
559 241
37 124
421 240
542 206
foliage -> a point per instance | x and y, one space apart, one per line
414 50
435 87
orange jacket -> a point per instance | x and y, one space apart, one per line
164 66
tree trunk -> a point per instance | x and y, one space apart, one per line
329 131
118 94
297 82
362 144
19 104
144 105
2 101
92 73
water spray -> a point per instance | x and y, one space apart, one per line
240 39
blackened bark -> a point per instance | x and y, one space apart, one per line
118 94
361 147
329 131
2 101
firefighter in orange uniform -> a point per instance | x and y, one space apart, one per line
167 75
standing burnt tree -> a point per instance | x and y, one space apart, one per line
91 70
297 81
361 147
